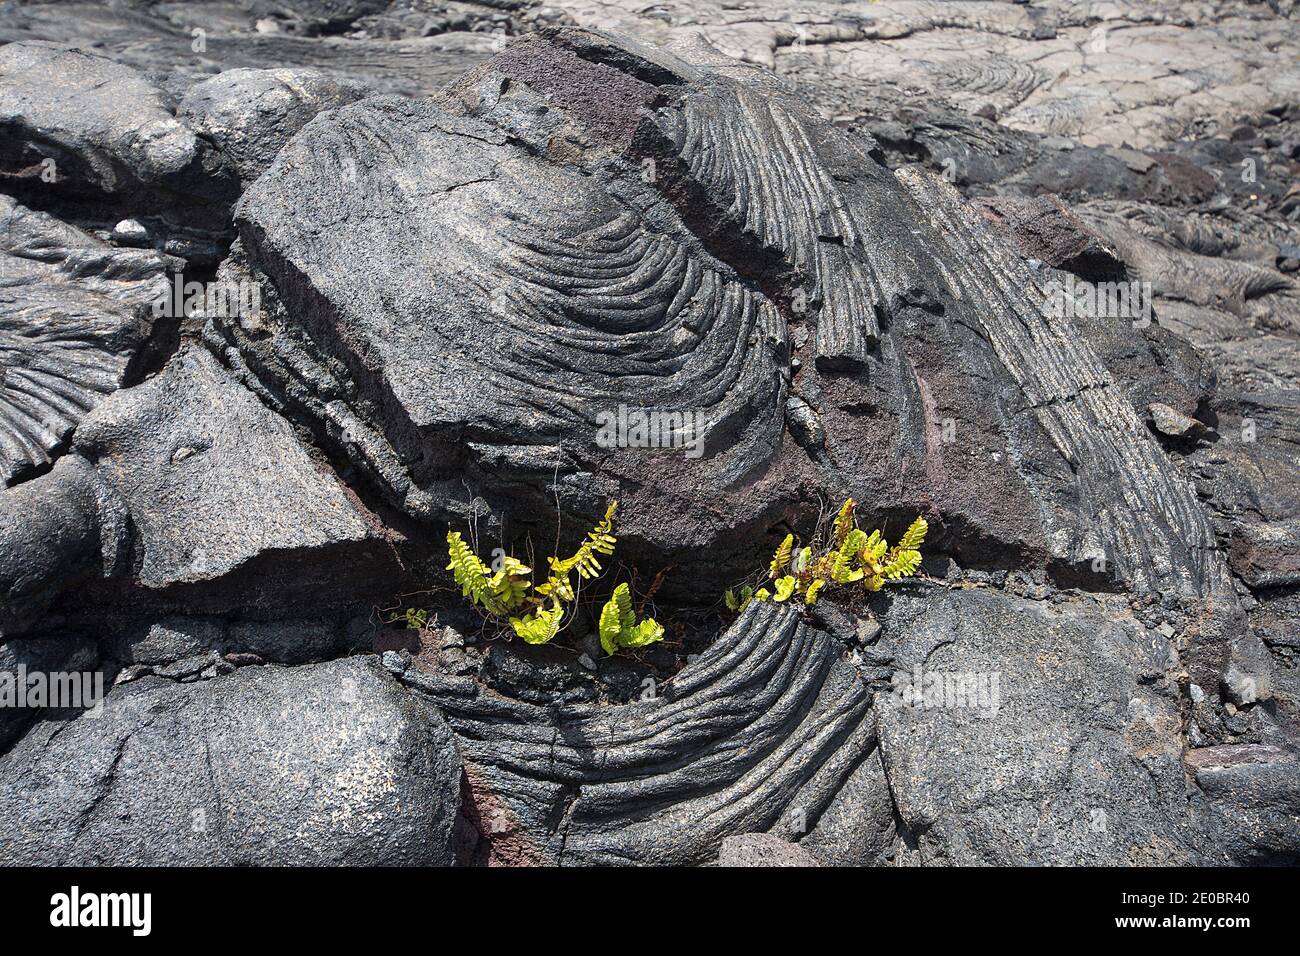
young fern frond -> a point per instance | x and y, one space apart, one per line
904 558
843 522
539 626
600 540
509 586
646 632
853 542
470 573
875 546
739 599
914 536
842 570
781 559
901 564
619 626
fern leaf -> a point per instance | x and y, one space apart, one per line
622 599
853 542
782 557
557 586
842 570
784 588
876 546
647 632
738 600
914 537
540 626
843 521
619 627
611 625
468 571
871 553
813 590
600 540
901 564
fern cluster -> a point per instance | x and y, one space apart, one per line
847 556
619 626
537 612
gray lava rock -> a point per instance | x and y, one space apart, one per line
473 299
74 314
763 849
1267 553
63 655
215 479
1255 795
56 531
636 260
251 114
329 764
170 639
757 734
858 828
1042 736
104 134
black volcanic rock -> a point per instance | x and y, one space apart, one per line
75 314
468 298
251 114
584 256
325 764
104 141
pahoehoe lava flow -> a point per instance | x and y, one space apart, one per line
291 290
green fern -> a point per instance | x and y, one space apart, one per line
471 574
739 599
810 596
537 613
844 522
781 560
510 585
600 540
540 626
901 564
619 626
849 556
914 536
905 558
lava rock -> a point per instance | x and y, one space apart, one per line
1066 755
757 734
1255 794
75 315
328 764
251 114
103 135
763 849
